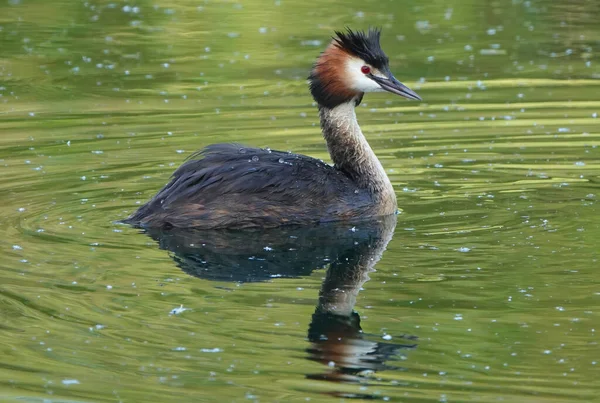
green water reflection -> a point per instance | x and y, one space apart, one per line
492 265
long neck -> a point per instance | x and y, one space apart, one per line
352 154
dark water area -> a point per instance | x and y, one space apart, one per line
484 288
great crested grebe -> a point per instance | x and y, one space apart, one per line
231 186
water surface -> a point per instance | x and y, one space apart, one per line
484 289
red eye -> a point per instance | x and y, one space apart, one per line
365 69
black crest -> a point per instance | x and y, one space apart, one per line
364 45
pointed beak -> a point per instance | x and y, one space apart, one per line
394 86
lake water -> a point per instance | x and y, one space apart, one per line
485 288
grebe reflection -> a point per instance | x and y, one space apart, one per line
350 253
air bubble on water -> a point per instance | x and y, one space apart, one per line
176 311
422 26
255 158
315 42
448 13
211 350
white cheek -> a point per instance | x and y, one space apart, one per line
357 80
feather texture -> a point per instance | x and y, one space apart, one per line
231 186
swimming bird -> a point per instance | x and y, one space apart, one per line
233 186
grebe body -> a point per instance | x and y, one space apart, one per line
232 186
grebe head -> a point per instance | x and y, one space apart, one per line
351 65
